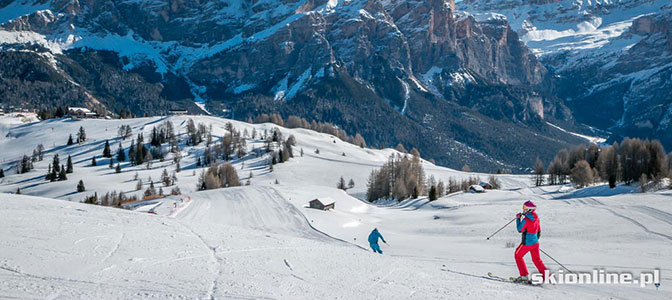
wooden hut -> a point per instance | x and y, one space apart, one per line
317 204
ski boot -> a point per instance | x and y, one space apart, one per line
521 279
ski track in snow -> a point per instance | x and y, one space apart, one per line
656 213
115 248
652 212
633 221
215 259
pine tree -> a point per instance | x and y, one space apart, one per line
131 153
70 142
54 169
106 150
151 187
40 152
341 184
351 184
138 185
80 186
177 167
118 168
121 154
432 193
69 168
111 165
154 140
18 191
2 173
81 135
141 151
62 176
49 175
129 132
165 178
25 165
93 162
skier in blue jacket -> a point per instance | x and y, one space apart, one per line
373 240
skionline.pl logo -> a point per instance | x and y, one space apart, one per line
597 277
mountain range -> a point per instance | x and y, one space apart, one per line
483 85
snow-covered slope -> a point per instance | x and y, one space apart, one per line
262 241
82 251
53 134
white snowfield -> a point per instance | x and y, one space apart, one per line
263 242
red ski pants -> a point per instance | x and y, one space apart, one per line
536 259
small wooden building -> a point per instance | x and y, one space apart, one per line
317 204
476 189
486 185
177 112
78 113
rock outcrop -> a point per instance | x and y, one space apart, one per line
447 79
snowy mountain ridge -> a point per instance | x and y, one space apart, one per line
352 63
616 55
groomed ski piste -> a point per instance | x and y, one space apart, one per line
263 242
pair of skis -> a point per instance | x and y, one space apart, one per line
510 279
492 277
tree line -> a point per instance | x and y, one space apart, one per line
633 160
403 177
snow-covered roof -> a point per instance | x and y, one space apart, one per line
79 110
477 188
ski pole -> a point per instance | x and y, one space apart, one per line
507 224
551 257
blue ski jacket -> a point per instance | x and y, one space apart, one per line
530 229
373 237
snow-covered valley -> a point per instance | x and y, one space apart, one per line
262 241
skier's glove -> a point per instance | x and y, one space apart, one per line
518 215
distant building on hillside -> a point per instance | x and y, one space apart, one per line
317 204
81 113
177 112
486 185
476 189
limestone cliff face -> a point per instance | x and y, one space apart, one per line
612 55
432 69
